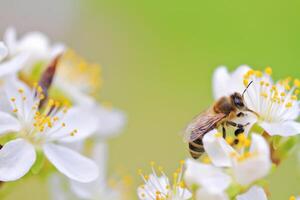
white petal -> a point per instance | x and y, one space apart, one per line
85 190
110 121
88 190
11 87
3 51
225 83
217 149
8 123
287 128
16 159
36 43
220 79
78 118
71 163
10 39
206 195
256 166
254 192
58 189
208 176
14 64
56 50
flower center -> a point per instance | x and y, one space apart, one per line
271 101
74 70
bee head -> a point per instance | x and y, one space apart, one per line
238 100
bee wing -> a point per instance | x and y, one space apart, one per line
202 124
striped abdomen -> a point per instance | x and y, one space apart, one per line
196 148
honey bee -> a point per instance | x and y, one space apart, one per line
223 111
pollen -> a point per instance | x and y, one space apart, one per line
21 91
297 83
268 70
206 159
288 105
13 99
258 74
75 69
229 140
292 197
264 94
246 82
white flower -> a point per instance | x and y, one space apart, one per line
212 180
247 166
43 130
35 44
254 192
10 65
110 121
276 104
3 51
78 79
159 187
95 190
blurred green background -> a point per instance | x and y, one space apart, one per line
158 58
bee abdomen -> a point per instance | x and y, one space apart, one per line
196 148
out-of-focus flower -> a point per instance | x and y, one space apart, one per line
95 190
3 51
254 192
10 65
247 165
78 79
212 181
110 121
158 187
276 104
35 45
43 130
80 82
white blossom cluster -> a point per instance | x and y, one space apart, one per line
49 109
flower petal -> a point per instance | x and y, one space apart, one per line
110 121
206 195
58 191
14 64
16 158
78 118
3 51
286 128
217 149
8 123
10 39
255 167
254 192
207 176
71 163
225 83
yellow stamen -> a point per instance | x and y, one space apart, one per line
268 70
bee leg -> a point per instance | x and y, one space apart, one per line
237 132
240 114
240 129
223 131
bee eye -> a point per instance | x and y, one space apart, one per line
238 102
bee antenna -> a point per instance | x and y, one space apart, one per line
246 88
